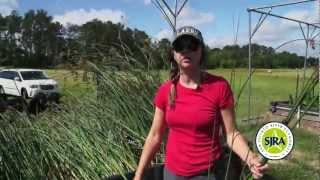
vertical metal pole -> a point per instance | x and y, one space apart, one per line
318 46
249 66
298 116
306 55
175 18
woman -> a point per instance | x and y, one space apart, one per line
192 105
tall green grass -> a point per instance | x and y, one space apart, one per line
91 137
100 128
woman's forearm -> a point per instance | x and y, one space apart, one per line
239 145
151 146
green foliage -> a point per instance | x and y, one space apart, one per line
263 57
89 138
34 40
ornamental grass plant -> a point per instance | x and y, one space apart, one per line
91 137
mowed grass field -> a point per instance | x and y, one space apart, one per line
72 83
304 161
266 86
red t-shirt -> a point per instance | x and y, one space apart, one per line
193 140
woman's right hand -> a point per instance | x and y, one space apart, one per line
136 177
257 167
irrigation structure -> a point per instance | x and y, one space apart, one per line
170 13
311 36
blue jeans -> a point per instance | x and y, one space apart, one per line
168 175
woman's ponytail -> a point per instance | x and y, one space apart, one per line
174 77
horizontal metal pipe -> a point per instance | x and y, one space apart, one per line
278 5
307 112
252 118
278 16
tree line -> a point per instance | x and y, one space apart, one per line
34 40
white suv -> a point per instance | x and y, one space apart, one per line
27 83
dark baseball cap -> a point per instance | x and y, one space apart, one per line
188 31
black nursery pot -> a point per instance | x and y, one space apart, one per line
153 173
220 170
156 172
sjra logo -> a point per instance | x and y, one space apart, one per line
274 140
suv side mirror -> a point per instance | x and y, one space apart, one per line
17 79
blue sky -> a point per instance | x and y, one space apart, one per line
214 18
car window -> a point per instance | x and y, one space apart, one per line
16 74
33 75
2 74
11 74
6 74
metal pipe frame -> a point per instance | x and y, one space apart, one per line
279 5
283 17
319 56
249 67
162 5
263 16
306 37
303 111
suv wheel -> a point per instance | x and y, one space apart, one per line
3 95
1 91
24 94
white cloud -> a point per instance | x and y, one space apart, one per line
164 33
275 32
316 12
5 10
221 41
10 2
6 6
147 2
302 15
190 16
81 16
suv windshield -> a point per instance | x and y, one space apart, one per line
33 75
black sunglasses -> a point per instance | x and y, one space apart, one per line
186 43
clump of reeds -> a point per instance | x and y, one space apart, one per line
88 138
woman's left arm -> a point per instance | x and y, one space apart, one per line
240 146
